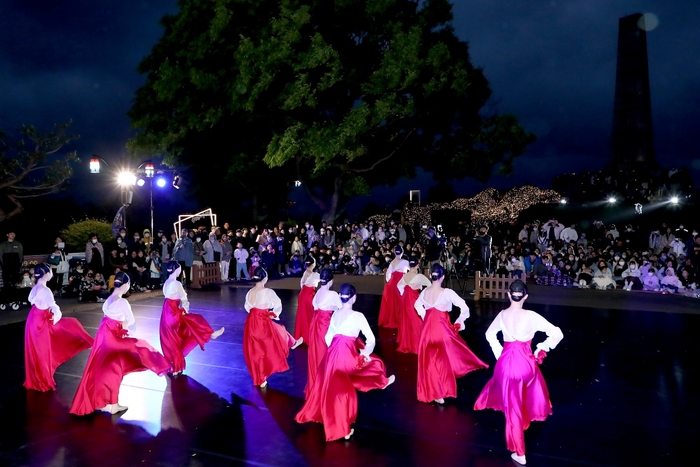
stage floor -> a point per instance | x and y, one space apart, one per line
625 388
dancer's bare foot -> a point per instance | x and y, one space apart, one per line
519 459
349 435
216 334
264 384
298 343
113 408
440 401
391 379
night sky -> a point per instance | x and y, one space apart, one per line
552 63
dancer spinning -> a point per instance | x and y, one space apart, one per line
181 331
114 355
409 287
305 308
333 399
517 387
442 353
265 344
325 303
389 311
49 340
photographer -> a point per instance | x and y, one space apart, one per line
482 250
433 247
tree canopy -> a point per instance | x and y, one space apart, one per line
340 94
31 165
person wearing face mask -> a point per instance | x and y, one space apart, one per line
650 281
183 253
603 277
59 266
94 254
632 277
147 241
137 244
166 248
198 249
670 283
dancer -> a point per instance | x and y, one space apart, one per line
305 308
49 340
114 355
180 331
442 353
325 302
265 344
517 387
409 287
333 399
391 300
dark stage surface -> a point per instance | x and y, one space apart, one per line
625 387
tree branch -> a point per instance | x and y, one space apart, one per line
383 159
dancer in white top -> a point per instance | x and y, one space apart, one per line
409 287
390 309
305 308
517 387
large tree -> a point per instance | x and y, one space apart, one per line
340 94
32 165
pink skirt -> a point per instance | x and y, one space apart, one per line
317 345
113 356
389 310
266 345
443 356
518 389
48 345
408 335
179 333
333 398
305 312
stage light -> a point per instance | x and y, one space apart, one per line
150 170
297 183
126 178
675 200
94 165
612 200
177 181
140 182
161 182
563 201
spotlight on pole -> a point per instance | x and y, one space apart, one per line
160 182
94 165
612 200
150 170
177 181
563 201
140 182
126 178
674 200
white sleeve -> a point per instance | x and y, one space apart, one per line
419 281
315 277
401 285
57 315
337 302
492 336
124 307
274 302
247 305
420 306
554 334
179 290
362 323
332 331
459 302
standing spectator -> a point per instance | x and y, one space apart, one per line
11 256
198 249
57 262
166 248
138 244
569 234
155 269
226 255
183 253
94 254
241 256
482 250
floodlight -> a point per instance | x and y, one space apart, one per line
140 182
297 183
94 165
612 200
126 178
675 200
160 182
563 201
150 170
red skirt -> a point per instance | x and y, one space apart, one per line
391 302
113 356
179 333
333 399
266 345
442 356
517 389
48 345
317 345
305 313
408 334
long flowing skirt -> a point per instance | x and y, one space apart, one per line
305 312
317 345
408 334
179 333
517 388
391 302
266 345
48 345
113 356
333 399
442 356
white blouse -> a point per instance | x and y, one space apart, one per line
327 300
351 327
416 283
524 331
403 267
119 309
174 290
265 298
309 280
445 301
41 297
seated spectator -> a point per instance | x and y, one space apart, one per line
650 281
603 278
632 277
688 282
670 283
296 268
